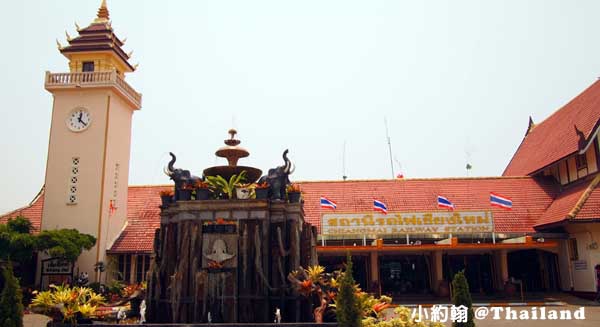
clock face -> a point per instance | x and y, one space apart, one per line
79 119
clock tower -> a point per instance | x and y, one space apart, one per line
88 154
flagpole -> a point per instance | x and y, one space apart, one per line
389 142
321 215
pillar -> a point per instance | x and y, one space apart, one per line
438 271
133 270
375 286
502 264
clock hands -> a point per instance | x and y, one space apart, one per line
79 119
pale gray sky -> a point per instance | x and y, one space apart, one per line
455 79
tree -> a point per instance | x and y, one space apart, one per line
462 296
64 243
347 308
11 307
17 243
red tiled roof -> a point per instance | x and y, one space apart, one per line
556 137
530 197
530 200
143 218
562 205
578 202
33 212
591 207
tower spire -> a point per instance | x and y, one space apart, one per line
103 14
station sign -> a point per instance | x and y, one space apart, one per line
436 222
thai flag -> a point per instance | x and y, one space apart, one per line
444 203
379 206
500 201
326 203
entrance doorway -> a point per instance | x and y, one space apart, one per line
537 269
359 267
478 271
404 274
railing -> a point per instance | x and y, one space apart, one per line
92 79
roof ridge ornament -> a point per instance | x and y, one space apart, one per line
103 14
530 127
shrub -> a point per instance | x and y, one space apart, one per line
11 307
462 296
347 307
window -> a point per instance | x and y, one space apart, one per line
573 254
139 269
88 66
142 265
124 267
580 161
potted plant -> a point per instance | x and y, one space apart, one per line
261 190
225 188
244 191
202 190
166 196
67 305
294 193
185 194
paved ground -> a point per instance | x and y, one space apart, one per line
592 316
35 320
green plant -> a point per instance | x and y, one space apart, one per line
348 311
462 296
403 317
11 308
69 302
220 185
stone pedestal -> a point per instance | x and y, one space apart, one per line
229 258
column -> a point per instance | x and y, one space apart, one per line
438 272
502 264
375 285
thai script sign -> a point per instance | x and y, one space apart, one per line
56 266
462 222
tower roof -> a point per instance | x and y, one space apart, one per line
98 37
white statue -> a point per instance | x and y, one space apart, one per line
209 318
143 312
277 315
219 252
121 315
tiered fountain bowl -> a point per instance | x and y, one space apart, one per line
233 152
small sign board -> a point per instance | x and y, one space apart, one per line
580 265
57 266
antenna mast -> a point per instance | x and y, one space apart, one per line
389 142
344 176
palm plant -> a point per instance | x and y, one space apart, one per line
220 185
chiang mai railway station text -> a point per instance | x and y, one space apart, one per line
408 223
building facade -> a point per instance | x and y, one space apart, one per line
547 241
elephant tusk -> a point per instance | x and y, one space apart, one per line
293 169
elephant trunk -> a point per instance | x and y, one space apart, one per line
288 164
170 169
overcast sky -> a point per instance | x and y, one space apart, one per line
457 81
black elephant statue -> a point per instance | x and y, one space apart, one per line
278 178
181 177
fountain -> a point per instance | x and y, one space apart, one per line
227 260
233 152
